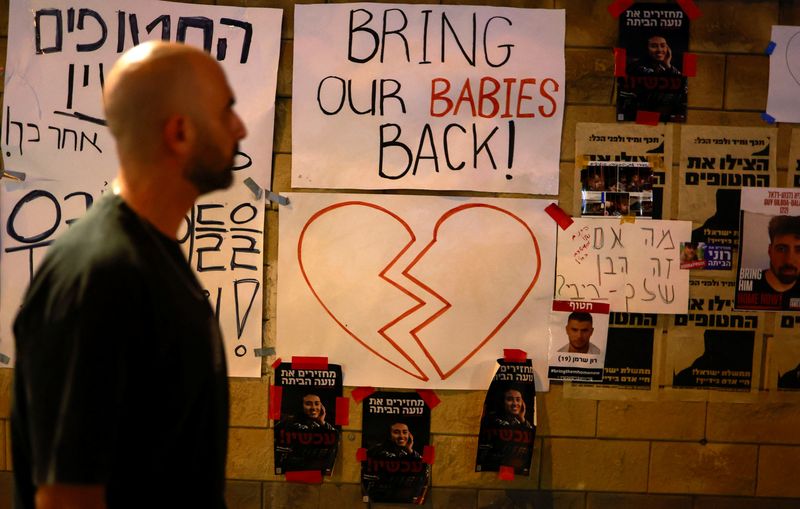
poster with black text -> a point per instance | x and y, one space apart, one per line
396 430
508 422
307 436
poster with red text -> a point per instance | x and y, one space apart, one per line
446 97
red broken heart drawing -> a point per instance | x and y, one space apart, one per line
395 233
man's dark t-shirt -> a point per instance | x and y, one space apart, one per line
120 377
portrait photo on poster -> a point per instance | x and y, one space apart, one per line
396 430
655 36
769 258
508 420
306 435
578 333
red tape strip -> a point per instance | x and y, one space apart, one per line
305 476
689 64
275 396
361 454
276 363
514 355
309 363
647 117
559 216
506 473
342 411
620 62
428 454
618 7
430 398
690 8
359 393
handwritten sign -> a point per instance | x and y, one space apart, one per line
384 283
390 96
634 267
54 132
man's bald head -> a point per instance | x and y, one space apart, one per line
147 85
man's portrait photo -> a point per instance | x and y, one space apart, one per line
579 331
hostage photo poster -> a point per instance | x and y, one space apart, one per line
577 333
307 433
54 133
769 255
395 452
436 97
654 38
508 420
623 170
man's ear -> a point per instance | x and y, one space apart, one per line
178 134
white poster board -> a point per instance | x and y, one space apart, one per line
633 266
784 74
415 291
391 96
53 131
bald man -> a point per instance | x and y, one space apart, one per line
121 395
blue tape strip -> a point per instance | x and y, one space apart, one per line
770 48
766 117
14 175
5 359
281 200
264 352
253 186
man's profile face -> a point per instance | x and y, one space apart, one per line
399 434
219 130
657 48
784 257
513 402
312 406
579 334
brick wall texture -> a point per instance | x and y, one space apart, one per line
597 450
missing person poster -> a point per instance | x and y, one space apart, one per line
769 258
578 332
655 37
508 422
396 430
626 166
716 163
712 346
307 436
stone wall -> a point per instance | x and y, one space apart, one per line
593 450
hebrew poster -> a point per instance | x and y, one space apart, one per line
578 333
794 159
447 97
712 346
784 74
633 267
626 164
508 421
414 291
654 37
54 132
307 433
769 258
715 164
783 358
395 439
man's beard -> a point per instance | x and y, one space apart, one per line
786 274
209 172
